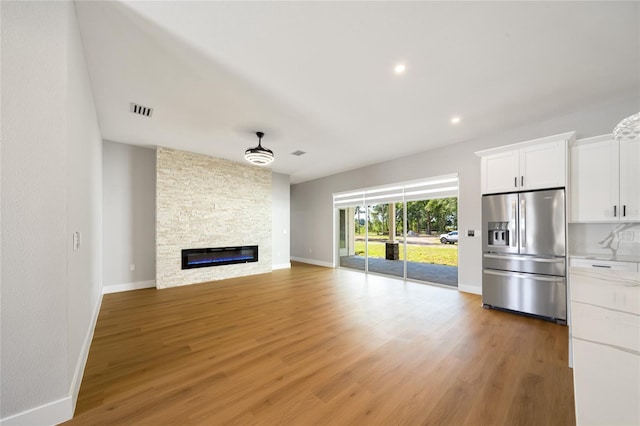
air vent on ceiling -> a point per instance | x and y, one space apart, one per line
140 109
298 153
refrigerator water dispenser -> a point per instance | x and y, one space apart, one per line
498 234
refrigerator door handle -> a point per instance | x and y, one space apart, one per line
518 275
512 224
527 258
523 224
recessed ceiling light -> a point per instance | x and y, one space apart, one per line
400 68
455 120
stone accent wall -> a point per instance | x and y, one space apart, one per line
209 202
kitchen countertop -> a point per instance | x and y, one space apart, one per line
602 256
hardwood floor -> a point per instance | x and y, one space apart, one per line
314 345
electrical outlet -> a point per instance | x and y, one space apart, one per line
76 240
626 236
132 267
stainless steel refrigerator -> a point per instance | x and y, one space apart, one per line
524 256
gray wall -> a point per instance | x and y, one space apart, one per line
129 214
51 188
280 194
311 202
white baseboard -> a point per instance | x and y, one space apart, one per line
61 410
470 289
74 389
51 413
117 288
313 262
281 266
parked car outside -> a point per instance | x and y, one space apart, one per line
450 238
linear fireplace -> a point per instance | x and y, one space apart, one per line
216 256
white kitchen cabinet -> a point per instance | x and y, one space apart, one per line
604 264
536 164
615 395
605 181
543 165
499 172
630 179
605 311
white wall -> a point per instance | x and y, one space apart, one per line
281 207
311 202
51 187
129 216
84 206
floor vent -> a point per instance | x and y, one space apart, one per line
298 153
140 110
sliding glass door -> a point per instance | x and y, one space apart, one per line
383 246
428 258
396 230
351 238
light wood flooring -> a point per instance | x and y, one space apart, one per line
313 345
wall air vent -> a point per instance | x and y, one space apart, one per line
298 153
140 109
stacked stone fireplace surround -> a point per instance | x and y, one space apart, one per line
203 201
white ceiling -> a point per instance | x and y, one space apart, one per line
318 76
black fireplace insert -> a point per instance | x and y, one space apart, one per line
216 256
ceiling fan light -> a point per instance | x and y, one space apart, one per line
629 128
259 155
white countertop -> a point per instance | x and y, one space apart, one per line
610 257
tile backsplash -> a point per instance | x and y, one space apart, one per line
619 239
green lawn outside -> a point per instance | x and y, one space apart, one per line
446 254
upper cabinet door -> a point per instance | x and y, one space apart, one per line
500 172
630 179
535 164
542 166
594 180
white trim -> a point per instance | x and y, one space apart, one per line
470 289
313 262
74 389
361 192
51 413
430 191
568 136
117 288
281 266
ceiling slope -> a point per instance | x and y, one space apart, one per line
318 76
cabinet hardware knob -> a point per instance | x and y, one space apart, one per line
624 210
615 211
515 181
521 180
